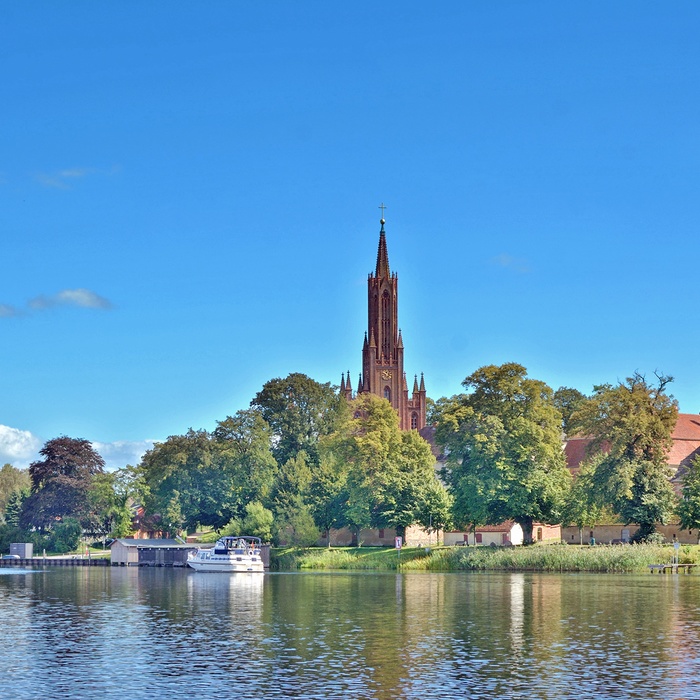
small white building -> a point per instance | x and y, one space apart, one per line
506 533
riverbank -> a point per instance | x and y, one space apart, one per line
557 557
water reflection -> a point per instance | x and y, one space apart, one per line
77 633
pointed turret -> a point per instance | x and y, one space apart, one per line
382 271
348 386
342 383
364 345
399 344
405 383
372 342
415 384
422 383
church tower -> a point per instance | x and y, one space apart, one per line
382 352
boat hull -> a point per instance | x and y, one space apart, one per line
227 566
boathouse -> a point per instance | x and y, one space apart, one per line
129 552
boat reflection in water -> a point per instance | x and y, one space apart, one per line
230 555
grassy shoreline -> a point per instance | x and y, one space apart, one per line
552 558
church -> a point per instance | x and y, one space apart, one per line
383 372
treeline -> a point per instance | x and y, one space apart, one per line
504 440
301 461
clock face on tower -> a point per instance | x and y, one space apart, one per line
386 374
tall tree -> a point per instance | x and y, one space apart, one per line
568 401
11 480
60 484
630 426
181 486
581 508
327 493
299 411
208 479
505 460
243 447
390 472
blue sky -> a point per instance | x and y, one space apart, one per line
189 201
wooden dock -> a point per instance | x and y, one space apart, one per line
39 562
671 568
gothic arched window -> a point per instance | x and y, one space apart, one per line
414 421
386 324
387 394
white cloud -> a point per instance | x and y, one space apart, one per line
84 298
122 452
18 447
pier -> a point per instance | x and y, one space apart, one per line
39 562
671 568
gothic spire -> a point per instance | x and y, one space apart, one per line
422 383
382 270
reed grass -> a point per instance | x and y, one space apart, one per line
555 557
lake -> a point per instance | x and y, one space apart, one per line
171 633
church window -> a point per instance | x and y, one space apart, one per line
414 421
386 324
387 393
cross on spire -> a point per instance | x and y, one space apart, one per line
382 207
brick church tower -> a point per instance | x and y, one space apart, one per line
382 351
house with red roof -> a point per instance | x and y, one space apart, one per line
685 447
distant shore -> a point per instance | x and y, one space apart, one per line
554 558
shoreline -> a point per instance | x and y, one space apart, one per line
628 558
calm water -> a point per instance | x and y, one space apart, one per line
144 633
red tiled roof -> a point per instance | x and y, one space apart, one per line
685 446
687 427
575 451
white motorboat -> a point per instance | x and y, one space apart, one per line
230 554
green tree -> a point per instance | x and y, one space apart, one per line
13 509
299 411
406 484
505 459
258 521
295 524
581 508
111 498
630 426
434 508
568 401
208 479
177 476
389 472
65 536
689 506
243 445
60 484
327 496
11 480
